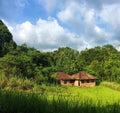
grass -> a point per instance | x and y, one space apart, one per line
19 95
75 100
97 93
112 85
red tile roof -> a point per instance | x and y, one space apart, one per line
83 76
62 76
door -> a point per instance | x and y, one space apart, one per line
78 83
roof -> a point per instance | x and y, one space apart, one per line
62 76
83 76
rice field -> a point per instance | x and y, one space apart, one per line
98 99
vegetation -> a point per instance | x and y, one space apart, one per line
112 85
81 101
6 42
25 78
23 61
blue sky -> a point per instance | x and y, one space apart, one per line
50 24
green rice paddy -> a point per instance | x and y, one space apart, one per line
98 99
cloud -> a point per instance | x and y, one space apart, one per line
111 14
99 4
74 23
49 5
46 35
83 20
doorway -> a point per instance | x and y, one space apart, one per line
78 83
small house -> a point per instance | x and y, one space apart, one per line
80 79
84 79
63 78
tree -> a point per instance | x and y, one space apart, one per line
65 59
6 42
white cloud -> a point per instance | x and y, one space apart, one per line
45 35
49 5
73 10
82 20
111 14
84 23
67 14
23 33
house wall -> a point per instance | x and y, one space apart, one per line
85 84
76 83
65 83
90 84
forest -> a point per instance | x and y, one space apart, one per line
28 62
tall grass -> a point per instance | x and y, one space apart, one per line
112 85
16 96
21 102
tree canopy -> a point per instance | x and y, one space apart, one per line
21 60
6 42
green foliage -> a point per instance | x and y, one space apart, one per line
104 61
16 83
30 63
54 75
65 59
6 42
89 71
24 61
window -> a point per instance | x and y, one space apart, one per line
65 81
83 81
92 80
71 81
87 81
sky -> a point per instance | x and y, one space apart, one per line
49 24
